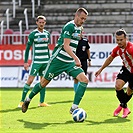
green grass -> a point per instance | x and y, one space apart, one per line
98 103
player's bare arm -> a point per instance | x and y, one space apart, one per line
70 52
26 66
106 63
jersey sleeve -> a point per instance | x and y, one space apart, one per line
130 50
88 45
49 41
28 45
68 31
114 52
30 39
86 41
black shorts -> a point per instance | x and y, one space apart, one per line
84 65
126 76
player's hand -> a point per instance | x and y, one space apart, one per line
98 72
77 62
89 63
26 66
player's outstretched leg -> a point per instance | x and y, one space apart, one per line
24 93
78 96
37 88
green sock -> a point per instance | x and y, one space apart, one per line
35 90
25 91
42 95
76 86
80 92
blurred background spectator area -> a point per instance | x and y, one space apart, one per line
17 18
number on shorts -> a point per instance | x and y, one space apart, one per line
34 71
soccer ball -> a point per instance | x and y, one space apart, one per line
79 115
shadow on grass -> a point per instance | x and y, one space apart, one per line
60 102
109 121
15 109
18 109
34 126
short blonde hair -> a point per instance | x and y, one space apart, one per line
81 9
40 17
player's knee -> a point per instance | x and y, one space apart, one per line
118 87
29 82
129 91
119 84
85 80
44 82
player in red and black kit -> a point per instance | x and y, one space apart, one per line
83 53
124 49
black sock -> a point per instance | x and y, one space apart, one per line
122 98
128 97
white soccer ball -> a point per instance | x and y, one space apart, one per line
79 115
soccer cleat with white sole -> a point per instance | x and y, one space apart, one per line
20 104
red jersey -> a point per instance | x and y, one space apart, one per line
125 54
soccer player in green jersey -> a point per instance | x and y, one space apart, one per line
64 59
38 39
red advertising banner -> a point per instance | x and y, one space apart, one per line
12 55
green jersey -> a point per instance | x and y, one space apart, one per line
39 42
71 31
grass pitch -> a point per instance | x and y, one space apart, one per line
98 103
